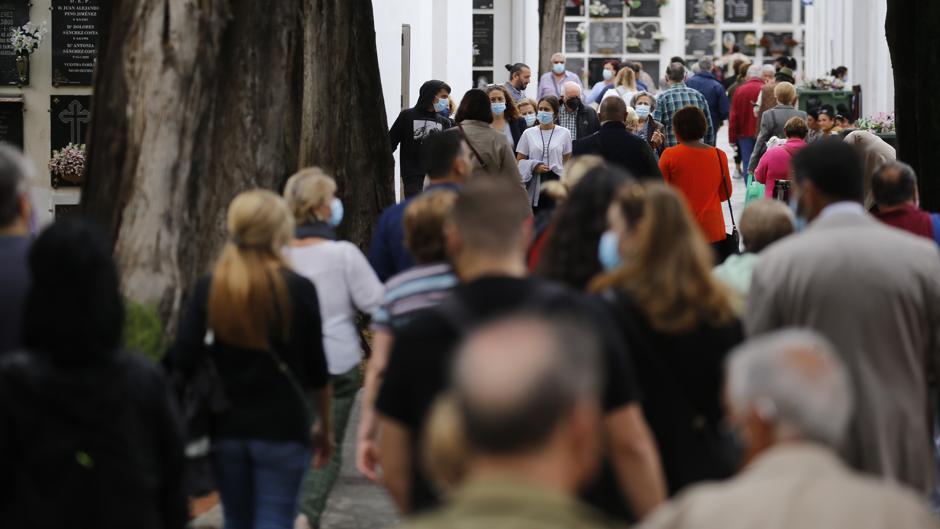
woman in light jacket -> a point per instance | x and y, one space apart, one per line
490 152
773 120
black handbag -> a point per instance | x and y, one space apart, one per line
732 242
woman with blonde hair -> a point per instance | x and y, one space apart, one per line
678 323
346 285
625 87
258 324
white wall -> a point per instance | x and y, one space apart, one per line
851 33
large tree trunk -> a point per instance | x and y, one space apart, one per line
344 127
913 40
195 101
551 29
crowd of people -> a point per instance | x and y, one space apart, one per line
564 333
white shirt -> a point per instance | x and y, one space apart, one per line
546 146
345 282
624 92
845 206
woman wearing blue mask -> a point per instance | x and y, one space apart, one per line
506 118
413 126
644 103
527 111
345 284
543 150
677 321
608 77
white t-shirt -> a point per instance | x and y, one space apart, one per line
625 93
546 146
345 282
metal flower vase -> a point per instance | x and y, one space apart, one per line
22 68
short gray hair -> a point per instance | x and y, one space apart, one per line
768 69
514 380
765 222
706 64
754 71
642 94
570 84
676 72
559 55
793 379
15 174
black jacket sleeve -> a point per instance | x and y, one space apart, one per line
190 345
308 323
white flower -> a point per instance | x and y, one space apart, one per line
633 42
598 9
659 36
27 38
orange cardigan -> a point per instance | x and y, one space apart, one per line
697 173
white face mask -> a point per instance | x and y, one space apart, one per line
608 75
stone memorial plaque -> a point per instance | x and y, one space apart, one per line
746 39
646 8
13 13
482 40
778 11
483 4
482 78
75 28
11 121
699 11
69 118
642 37
739 11
777 44
699 42
614 8
573 41
606 38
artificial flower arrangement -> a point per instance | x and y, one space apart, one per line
880 123
582 31
826 82
25 40
68 163
597 9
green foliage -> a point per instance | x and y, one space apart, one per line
143 330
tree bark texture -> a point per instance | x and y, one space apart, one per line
551 29
344 128
914 41
198 100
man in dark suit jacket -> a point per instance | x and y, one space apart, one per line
617 145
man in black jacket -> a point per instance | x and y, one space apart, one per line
413 126
617 145
574 115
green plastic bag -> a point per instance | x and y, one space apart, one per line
755 190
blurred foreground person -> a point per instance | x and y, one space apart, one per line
874 292
90 434
678 324
15 214
894 187
487 236
791 400
258 323
526 397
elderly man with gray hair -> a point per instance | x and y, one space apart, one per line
705 82
15 214
550 84
526 396
580 119
790 398
677 97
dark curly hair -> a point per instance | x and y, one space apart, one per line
570 255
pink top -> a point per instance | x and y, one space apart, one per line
775 164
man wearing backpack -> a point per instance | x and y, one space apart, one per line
486 238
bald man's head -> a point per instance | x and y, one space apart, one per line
516 380
572 89
613 109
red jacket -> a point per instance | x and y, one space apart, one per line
743 122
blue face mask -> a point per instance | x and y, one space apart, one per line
800 221
608 251
336 212
642 111
558 67
608 75
441 104
445 113
545 117
498 108
529 119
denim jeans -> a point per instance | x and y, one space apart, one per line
259 481
746 147
319 482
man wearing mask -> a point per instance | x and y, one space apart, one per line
874 292
580 119
551 83
519 77
413 126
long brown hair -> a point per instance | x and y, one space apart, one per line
512 112
667 269
248 296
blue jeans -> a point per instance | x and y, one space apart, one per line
259 481
746 147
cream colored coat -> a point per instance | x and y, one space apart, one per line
795 486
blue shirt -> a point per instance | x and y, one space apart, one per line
411 291
14 282
715 96
387 253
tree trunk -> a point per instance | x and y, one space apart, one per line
344 128
913 40
195 101
551 29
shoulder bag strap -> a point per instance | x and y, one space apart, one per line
724 184
282 366
472 148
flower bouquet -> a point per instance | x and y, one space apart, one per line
582 31
826 82
597 9
880 123
68 163
25 40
